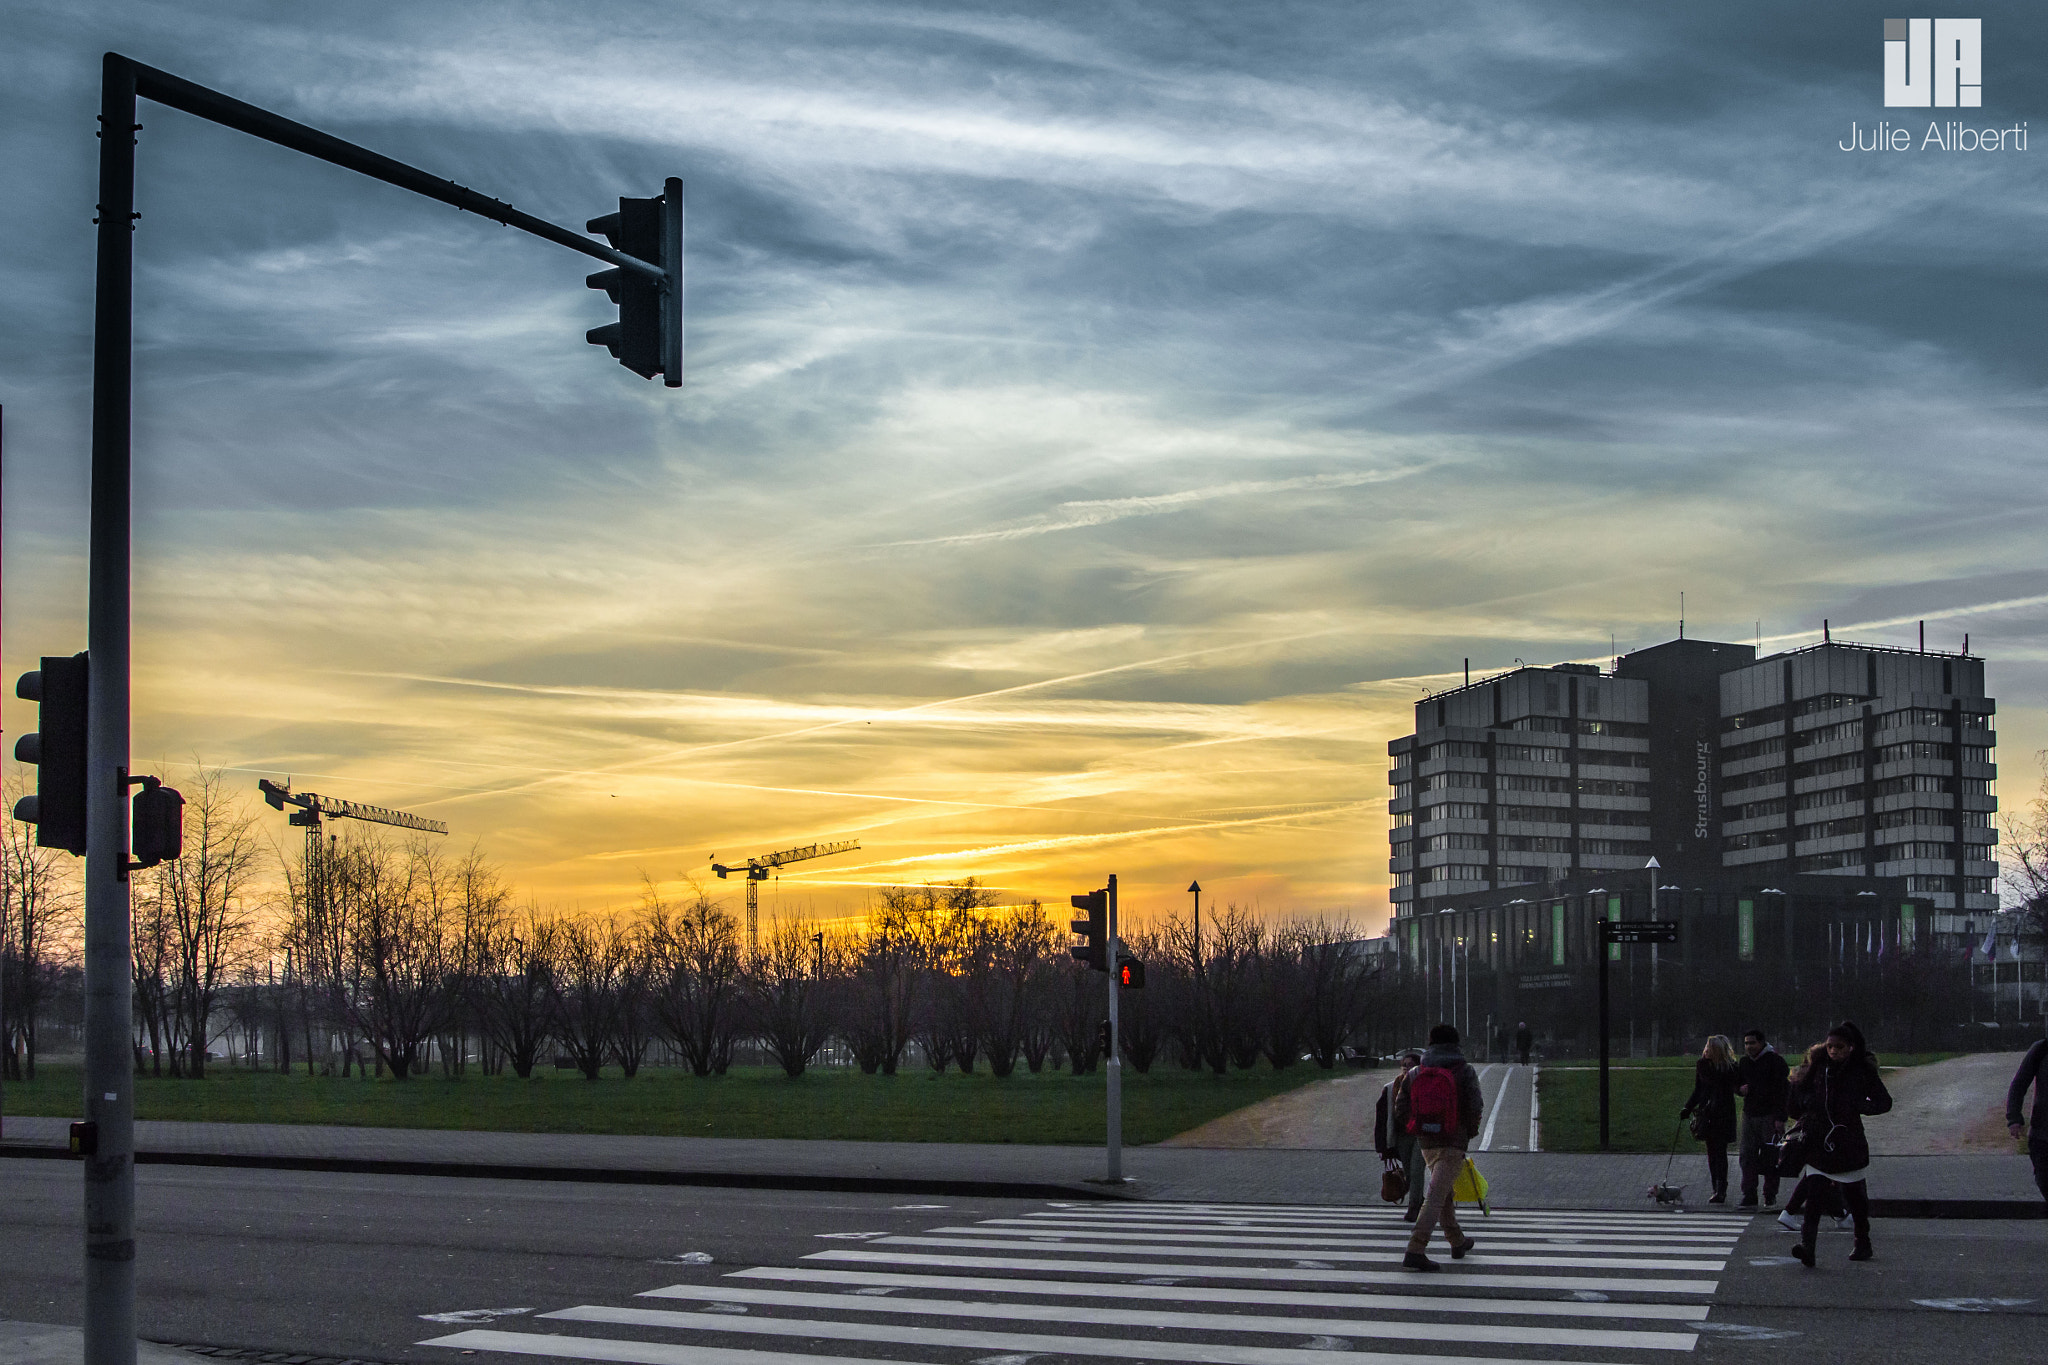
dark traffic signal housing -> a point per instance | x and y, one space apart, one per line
648 337
1095 929
1130 974
57 751
156 824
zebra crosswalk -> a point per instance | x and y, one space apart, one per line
1218 1284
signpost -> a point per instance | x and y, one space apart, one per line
1616 932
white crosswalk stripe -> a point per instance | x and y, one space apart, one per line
1209 1284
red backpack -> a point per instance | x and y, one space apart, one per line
1432 1102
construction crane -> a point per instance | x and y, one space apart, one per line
313 808
757 870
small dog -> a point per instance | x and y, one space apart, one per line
1667 1194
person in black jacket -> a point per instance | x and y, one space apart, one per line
1713 1099
1831 1101
1762 1079
1394 1145
2033 1072
1443 1152
1524 1040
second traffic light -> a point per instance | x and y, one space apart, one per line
1095 929
648 337
57 750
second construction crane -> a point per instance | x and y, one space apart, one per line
758 869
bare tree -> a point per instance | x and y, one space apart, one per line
202 896
792 989
1334 985
403 944
1016 949
2024 858
38 916
886 980
594 963
695 977
512 988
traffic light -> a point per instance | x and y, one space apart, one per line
648 337
156 823
57 749
1130 974
1095 929
1105 1038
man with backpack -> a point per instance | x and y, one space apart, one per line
1763 1080
1440 1108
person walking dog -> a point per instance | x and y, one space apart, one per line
2033 1072
1394 1145
1713 1101
1440 1107
1762 1079
1832 1100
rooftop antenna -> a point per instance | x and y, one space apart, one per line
1468 672
1923 637
1759 637
1681 616
1826 635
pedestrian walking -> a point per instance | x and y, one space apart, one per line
1832 1100
1391 1143
1524 1040
1762 1079
1805 1187
1712 1108
2033 1072
1440 1107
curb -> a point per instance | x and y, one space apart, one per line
586 1175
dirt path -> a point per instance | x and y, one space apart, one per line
1329 1116
1952 1106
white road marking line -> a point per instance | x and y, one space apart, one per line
1335 1216
1330 1237
1659 1224
903 1334
1453 1278
666 1353
1492 1110
1512 1335
1369 1301
1502 1240
1708 1262
635 1352
1535 1097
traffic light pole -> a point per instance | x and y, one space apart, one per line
109 1107
1601 922
1114 1066
109 1056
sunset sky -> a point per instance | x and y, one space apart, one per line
1103 421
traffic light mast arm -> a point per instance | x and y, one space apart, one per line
192 98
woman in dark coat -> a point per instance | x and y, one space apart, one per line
1830 1102
1713 1099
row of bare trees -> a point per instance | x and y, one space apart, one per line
401 955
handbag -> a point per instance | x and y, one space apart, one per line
1394 1185
1470 1186
1791 1154
1703 1120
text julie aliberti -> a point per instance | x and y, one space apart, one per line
1944 137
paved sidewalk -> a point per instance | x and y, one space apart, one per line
40 1343
1972 1184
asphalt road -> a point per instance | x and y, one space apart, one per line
369 1266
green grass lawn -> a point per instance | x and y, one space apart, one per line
1644 1097
913 1106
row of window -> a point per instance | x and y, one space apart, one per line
1534 815
1973 886
1532 753
1853 824
1565 725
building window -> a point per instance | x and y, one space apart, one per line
1534 843
1403 819
1924 883
1827 701
1973 754
1537 815
1617 848
1521 876
1455 810
1763 838
1828 862
1443 843
1829 734
1912 748
1437 782
1840 763
1768 777
1611 817
1601 786
1914 715
1756 748
1831 829
1516 782
1532 753
1918 782
1554 725
1620 729
1899 853
1976 720
1756 810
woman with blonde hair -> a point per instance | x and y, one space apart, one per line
1712 1108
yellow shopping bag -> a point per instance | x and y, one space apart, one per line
1470 1187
